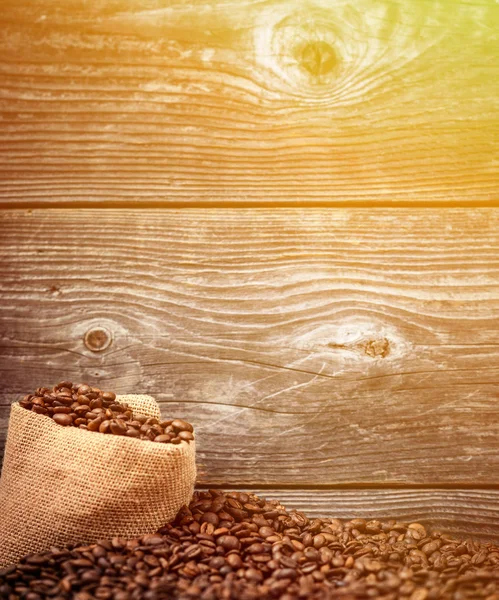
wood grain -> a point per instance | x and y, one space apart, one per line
308 347
464 513
204 102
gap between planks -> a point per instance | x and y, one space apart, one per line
257 203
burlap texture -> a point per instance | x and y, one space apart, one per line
63 485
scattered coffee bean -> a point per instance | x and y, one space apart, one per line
229 542
90 408
236 546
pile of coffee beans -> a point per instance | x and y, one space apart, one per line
92 409
237 546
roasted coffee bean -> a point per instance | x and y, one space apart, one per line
117 427
207 552
131 432
210 517
65 410
96 403
63 419
94 424
91 409
319 540
64 385
151 435
266 532
180 425
417 531
229 542
105 426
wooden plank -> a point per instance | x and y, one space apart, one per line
463 513
279 102
307 346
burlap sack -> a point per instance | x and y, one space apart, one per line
64 485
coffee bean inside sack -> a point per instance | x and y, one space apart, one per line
92 409
238 546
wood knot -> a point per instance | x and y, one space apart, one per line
377 348
318 58
98 339
304 49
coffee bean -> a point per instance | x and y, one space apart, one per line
91 409
65 385
209 554
229 542
180 425
417 531
63 419
96 403
419 594
65 410
105 426
82 389
359 524
117 427
234 561
430 547
319 541
266 531
133 433
94 424
152 539
210 517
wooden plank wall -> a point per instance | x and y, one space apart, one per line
180 189
311 349
289 101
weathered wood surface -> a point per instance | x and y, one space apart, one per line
307 346
465 513
327 102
